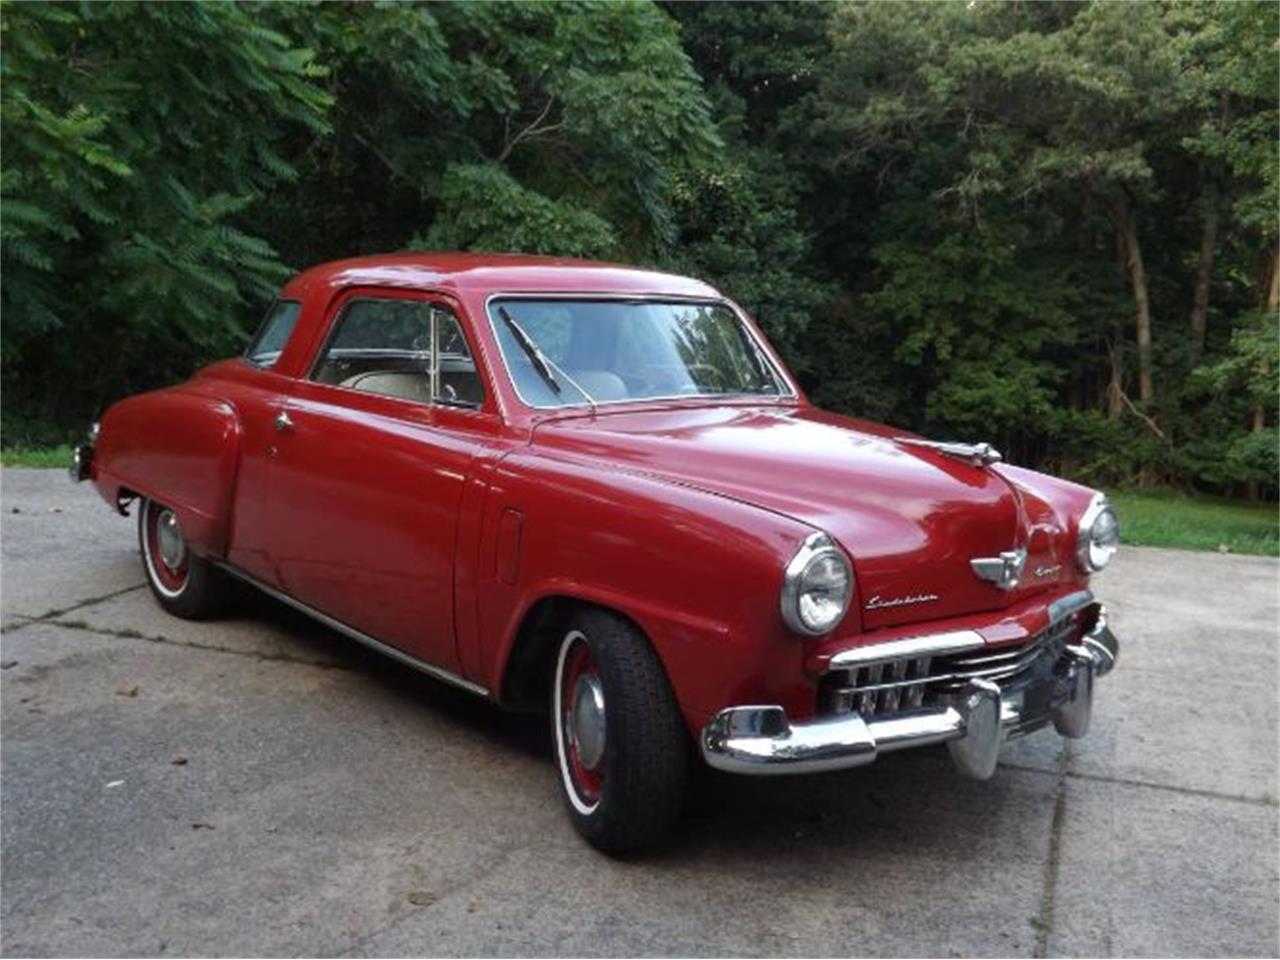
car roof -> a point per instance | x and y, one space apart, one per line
493 273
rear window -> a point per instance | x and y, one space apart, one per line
274 333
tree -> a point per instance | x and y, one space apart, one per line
122 185
534 126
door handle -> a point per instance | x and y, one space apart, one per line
284 421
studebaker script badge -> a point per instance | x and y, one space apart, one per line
880 603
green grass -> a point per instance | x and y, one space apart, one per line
1159 519
36 456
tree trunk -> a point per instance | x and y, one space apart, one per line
1204 269
1273 280
1122 216
1115 390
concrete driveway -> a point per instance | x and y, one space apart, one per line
261 786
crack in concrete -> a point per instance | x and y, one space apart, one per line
258 655
1043 921
502 856
51 614
1265 800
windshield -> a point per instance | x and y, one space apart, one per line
572 352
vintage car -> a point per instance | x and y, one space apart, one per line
596 491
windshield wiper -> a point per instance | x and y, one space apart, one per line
540 361
531 350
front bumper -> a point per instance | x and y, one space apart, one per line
973 720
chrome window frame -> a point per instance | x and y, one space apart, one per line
433 360
784 379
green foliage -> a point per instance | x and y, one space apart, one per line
122 183
1021 156
534 127
934 208
482 207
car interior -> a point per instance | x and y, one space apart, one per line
404 374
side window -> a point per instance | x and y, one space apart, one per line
274 333
410 349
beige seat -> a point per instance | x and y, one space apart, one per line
603 385
405 386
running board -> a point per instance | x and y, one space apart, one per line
438 673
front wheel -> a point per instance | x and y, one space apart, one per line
620 742
185 585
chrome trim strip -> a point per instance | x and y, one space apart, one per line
439 673
1066 605
774 367
951 641
928 645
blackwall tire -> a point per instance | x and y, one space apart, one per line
623 779
184 584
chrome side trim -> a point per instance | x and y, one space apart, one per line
439 673
931 644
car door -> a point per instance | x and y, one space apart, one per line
373 451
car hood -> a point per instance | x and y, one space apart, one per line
910 517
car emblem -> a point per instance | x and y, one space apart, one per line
974 454
1048 571
1004 571
879 603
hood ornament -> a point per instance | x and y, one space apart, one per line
1004 571
974 454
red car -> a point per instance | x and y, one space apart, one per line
597 491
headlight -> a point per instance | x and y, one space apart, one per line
1099 536
816 587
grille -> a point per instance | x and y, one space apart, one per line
910 682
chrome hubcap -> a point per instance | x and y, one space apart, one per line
169 539
587 725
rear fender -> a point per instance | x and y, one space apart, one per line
177 447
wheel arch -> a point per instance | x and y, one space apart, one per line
527 668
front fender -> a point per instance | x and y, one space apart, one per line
700 574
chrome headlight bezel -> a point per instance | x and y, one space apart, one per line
1092 555
817 547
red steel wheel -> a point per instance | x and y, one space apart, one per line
622 768
165 550
184 583
580 723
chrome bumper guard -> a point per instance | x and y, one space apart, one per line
760 740
81 461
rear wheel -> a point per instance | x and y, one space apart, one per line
620 742
184 584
